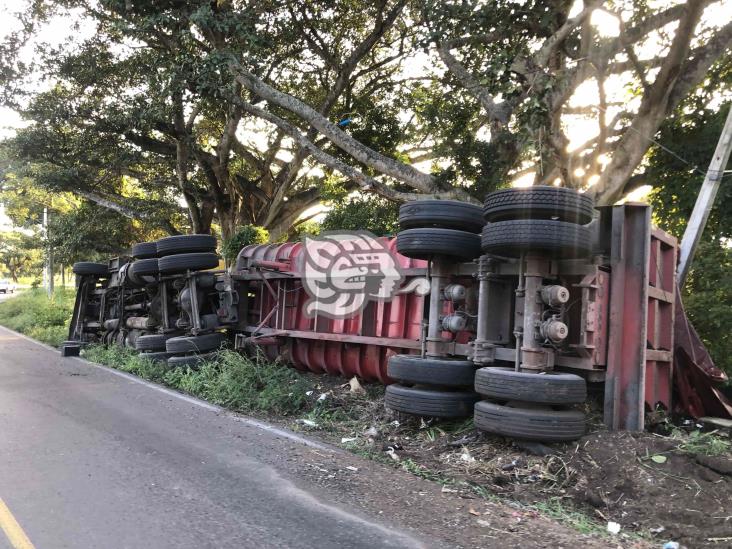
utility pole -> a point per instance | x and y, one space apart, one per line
705 200
48 270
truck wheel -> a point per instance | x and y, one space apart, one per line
144 267
540 202
191 361
529 423
552 238
431 371
188 262
427 243
186 243
547 388
430 402
151 342
145 250
195 344
445 214
89 268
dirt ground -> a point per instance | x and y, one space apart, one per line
657 488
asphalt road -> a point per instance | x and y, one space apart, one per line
92 458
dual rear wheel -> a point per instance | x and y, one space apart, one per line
542 221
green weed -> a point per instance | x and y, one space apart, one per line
423 472
557 510
232 380
32 313
127 360
708 444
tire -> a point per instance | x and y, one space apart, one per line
151 342
553 238
144 267
547 388
89 268
191 361
426 243
145 250
431 403
186 243
445 214
540 202
431 371
187 262
156 356
529 423
195 344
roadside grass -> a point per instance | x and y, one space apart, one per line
32 313
234 381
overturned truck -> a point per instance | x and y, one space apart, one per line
506 312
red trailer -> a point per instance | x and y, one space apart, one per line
509 310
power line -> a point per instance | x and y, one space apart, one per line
719 175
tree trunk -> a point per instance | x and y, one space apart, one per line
227 221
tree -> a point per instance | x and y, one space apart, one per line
78 229
676 182
244 236
327 89
374 214
20 254
183 115
513 83
93 233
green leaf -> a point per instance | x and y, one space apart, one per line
658 458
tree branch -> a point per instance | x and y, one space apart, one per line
703 58
383 164
542 57
654 107
367 183
126 211
498 112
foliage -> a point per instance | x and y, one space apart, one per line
90 233
256 109
173 130
128 360
244 236
77 229
555 508
32 313
231 380
20 254
369 213
708 444
707 294
243 384
677 180
306 228
708 299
